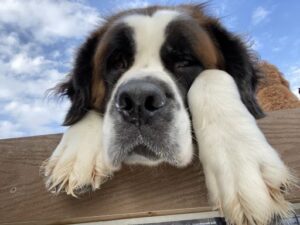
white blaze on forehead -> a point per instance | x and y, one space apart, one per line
149 35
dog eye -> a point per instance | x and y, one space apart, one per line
183 64
181 59
118 62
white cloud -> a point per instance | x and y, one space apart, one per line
132 4
294 78
47 19
24 104
296 92
34 114
9 129
16 87
22 63
31 118
37 42
260 14
10 45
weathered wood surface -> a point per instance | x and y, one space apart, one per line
133 192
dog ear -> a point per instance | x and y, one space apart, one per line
240 63
78 85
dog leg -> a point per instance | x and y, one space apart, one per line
246 178
77 164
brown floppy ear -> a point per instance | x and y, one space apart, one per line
78 85
239 63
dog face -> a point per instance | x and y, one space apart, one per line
137 69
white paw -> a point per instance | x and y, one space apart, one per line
245 177
247 190
77 164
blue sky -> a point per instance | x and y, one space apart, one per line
38 40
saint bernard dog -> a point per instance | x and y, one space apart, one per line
146 82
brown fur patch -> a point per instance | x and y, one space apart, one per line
201 43
97 86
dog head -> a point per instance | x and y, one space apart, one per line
137 68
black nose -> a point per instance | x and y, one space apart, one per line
139 100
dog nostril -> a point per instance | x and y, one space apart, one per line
125 103
149 104
153 103
128 104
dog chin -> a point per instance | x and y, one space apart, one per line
144 155
141 154
145 152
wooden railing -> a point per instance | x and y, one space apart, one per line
133 192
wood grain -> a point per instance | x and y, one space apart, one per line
133 192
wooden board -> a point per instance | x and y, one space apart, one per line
133 192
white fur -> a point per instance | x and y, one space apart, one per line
77 161
149 35
243 172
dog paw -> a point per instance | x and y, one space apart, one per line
77 164
252 195
245 176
